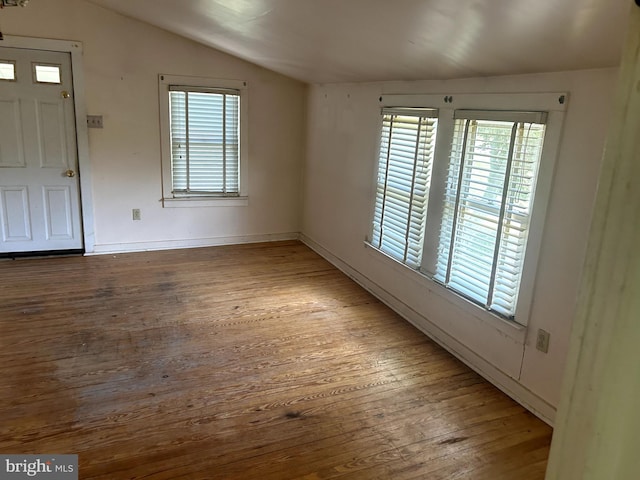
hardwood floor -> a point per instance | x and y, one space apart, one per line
240 362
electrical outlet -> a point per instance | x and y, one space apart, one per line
135 213
94 121
542 341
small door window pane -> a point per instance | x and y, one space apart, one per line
7 70
47 73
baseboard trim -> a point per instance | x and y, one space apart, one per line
110 248
525 397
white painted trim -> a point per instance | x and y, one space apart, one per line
532 402
82 136
482 101
196 202
107 248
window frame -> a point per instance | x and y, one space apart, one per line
554 104
182 200
15 71
34 73
400 165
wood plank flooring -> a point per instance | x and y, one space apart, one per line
240 362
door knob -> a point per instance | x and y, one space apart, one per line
70 173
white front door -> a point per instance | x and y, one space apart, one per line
39 189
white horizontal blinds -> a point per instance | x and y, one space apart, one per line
517 215
451 198
179 140
404 174
205 140
487 206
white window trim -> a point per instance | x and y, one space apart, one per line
186 201
553 103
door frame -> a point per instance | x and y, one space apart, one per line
80 110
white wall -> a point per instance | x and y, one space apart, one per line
122 60
338 197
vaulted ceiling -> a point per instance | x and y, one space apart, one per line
320 41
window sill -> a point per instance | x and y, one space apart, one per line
509 328
196 202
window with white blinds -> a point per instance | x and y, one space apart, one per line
404 173
456 190
205 140
487 206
